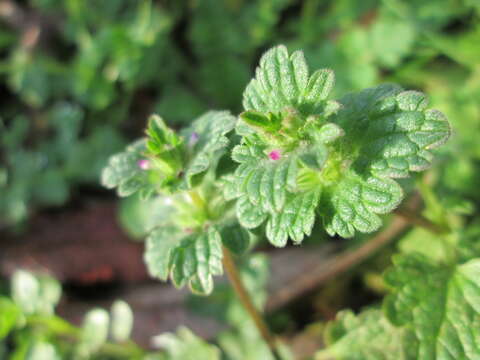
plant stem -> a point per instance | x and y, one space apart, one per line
337 265
419 220
237 284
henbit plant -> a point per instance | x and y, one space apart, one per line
300 157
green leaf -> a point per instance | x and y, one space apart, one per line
390 130
185 258
355 203
185 345
368 336
160 137
35 294
329 133
94 332
265 182
41 350
236 237
140 216
265 190
207 141
295 221
123 170
9 314
122 321
255 119
249 215
440 302
159 250
282 81
164 148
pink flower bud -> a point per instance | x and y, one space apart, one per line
275 155
143 164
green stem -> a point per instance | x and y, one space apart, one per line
242 294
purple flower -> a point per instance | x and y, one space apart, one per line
193 139
143 164
274 155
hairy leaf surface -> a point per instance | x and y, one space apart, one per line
356 203
294 142
191 259
123 171
166 162
391 131
441 303
283 80
207 140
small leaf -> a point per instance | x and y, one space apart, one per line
94 331
260 121
35 294
210 132
160 136
295 221
329 133
185 258
122 321
264 181
355 203
318 88
123 170
282 81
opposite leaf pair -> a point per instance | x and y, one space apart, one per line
333 159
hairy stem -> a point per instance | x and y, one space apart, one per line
240 290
